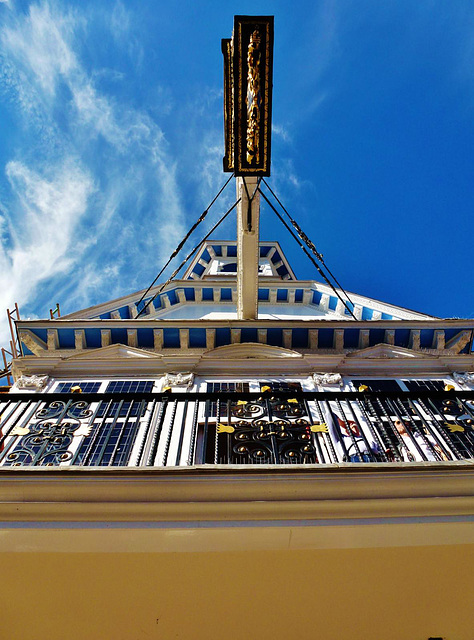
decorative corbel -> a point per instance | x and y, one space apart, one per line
327 379
30 382
185 380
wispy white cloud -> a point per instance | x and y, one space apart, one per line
39 232
100 185
281 132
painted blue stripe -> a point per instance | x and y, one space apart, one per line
118 336
208 293
248 335
197 338
93 339
376 336
66 339
145 338
275 337
426 338
402 337
222 336
189 294
41 333
299 338
198 269
171 338
351 338
325 338
226 294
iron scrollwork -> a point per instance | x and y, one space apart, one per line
47 442
272 431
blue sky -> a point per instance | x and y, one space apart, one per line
112 142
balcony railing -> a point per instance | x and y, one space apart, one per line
178 429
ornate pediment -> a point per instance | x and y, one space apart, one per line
114 351
388 351
250 351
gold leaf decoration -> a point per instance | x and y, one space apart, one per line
319 428
19 431
225 428
453 427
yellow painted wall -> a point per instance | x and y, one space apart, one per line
329 594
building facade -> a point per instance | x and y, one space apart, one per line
170 470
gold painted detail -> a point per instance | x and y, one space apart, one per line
225 428
19 431
454 427
253 99
319 428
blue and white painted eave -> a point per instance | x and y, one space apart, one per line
43 337
199 313
190 300
207 290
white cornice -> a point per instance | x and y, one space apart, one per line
84 323
195 360
211 493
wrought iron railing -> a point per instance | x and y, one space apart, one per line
149 429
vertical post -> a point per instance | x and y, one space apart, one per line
248 214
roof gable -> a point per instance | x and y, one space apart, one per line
219 259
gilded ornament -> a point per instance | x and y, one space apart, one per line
225 428
454 427
19 431
319 428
